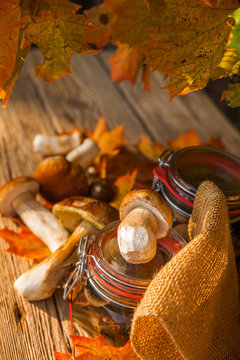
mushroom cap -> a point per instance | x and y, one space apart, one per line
59 178
153 201
14 188
73 210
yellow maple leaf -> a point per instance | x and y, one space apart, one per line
190 138
151 150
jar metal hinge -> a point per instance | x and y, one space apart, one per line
78 276
163 162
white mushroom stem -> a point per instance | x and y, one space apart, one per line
56 145
84 154
137 236
41 281
40 221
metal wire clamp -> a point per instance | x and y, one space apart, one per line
78 276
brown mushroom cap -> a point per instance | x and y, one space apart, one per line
14 188
73 210
59 178
153 201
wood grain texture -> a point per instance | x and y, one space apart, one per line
34 330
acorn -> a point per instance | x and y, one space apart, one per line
101 190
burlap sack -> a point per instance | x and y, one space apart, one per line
191 308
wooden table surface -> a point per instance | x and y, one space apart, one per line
31 331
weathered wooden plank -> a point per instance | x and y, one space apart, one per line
32 331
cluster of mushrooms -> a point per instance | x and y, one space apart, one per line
143 213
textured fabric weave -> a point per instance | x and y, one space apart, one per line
191 308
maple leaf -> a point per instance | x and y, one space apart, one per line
123 185
109 141
25 243
59 34
126 63
189 41
98 349
151 150
216 143
189 138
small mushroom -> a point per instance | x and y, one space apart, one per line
84 154
17 197
145 217
56 145
59 179
41 281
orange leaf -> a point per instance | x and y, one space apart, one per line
126 63
189 138
99 349
151 150
123 185
99 129
217 143
25 243
60 356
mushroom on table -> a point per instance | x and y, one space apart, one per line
17 197
59 178
56 145
84 154
91 215
145 217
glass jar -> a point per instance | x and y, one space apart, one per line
109 288
179 174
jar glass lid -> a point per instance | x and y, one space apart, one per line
108 257
193 165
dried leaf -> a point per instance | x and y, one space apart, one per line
59 34
189 138
151 150
126 63
25 243
123 185
60 356
99 129
216 143
179 47
232 95
99 349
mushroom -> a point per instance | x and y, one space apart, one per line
84 154
56 145
17 197
41 281
58 178
145 217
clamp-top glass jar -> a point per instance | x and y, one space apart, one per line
179 174
110 288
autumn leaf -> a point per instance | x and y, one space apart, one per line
99 130
126 63
25 243
60 356
216 143
189 41
151 150
59 35
123 185
189 138
98 349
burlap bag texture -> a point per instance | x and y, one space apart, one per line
191 308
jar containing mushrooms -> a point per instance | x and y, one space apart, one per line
115 269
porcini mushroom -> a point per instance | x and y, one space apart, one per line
145 217
59 178
84 154
17 197
41 281
56 145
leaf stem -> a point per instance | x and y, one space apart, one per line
36 7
